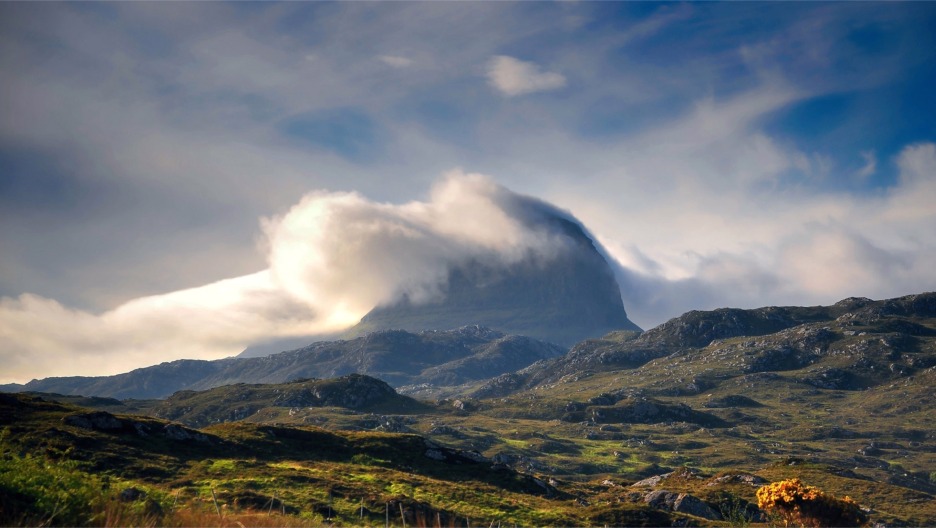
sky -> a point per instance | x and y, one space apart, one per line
183 180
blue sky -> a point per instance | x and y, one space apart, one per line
725 154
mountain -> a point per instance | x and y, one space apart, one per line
563 299
449 357
273 346
777 339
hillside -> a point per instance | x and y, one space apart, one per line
450 357
95 467
679 424
229 403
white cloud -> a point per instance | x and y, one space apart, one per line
332 258
40 337
790 247
512 77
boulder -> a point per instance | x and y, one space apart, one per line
681 503
686 503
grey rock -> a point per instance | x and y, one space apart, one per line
681 503
686 503
661 499
651 481
738 478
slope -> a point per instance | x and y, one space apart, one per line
398 357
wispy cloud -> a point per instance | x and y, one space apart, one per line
870 165
513 77
396 61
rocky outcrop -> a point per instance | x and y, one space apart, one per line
352 392
681 503
107 422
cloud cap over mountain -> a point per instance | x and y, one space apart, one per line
332 258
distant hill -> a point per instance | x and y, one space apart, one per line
854 344
398 357
241 401
564 299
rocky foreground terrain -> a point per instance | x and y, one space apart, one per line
678 425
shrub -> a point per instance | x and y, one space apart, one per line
797 504
36 490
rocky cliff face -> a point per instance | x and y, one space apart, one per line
563 299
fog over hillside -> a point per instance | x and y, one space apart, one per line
332 258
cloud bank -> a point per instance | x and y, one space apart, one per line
795 247
332 257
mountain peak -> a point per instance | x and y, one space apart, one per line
561 298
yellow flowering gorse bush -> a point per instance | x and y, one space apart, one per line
798 504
